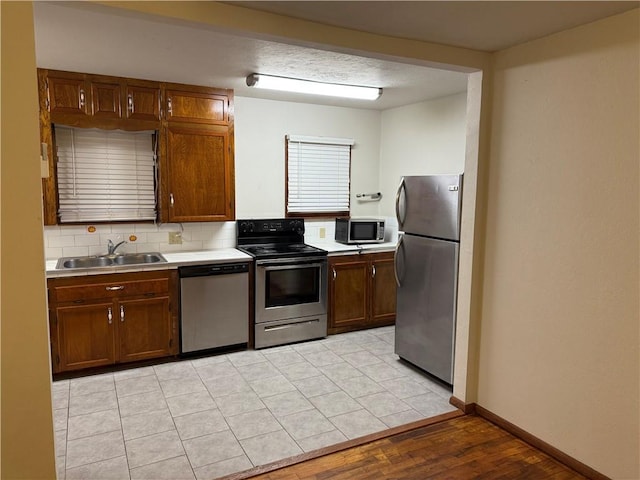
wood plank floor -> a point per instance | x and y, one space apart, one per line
467 447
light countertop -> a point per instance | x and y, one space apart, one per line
174 260
335 248
203 257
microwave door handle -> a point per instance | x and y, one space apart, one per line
401 187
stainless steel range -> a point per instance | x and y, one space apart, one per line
290 281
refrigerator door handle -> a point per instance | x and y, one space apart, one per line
395 260
401 187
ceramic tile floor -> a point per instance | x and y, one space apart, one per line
209 417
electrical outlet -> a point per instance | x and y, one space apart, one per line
323 232
175 238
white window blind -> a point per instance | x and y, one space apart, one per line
105 175
318 174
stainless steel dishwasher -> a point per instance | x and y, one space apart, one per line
214 306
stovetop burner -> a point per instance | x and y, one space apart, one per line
276 238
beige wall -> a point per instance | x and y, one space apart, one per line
559 336
27 425
424 138
260 128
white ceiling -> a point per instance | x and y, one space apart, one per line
77 36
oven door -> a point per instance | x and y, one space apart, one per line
290 288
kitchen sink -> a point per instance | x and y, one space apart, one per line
110 260
136 258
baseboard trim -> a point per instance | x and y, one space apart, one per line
467 408
541 445
356 442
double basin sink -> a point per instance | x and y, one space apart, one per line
116 260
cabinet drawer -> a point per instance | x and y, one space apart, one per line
95 291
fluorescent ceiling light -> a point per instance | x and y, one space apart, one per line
285 84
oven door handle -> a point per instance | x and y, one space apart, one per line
291 266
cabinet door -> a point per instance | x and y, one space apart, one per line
144 329
348 296
106 99
68 94
199 176
85 336
143 102
193 107
383 291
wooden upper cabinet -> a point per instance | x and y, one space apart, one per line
142 101
106 99
197 107
101 101
68 93
199 180
195 131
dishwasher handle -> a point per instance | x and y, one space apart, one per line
213 269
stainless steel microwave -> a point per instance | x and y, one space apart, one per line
359 230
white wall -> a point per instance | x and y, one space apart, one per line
260 128
559 351
421 139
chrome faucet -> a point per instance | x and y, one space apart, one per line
111 248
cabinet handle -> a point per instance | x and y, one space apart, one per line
114 288
122 313
373 271
334 273
130 103
171 202
82 98
109 315
169 107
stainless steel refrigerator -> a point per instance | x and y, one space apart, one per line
426 266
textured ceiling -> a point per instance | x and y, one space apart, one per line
80 36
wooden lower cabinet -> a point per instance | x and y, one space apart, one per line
362 292
85 337
144 331
102 320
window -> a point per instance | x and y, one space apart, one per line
105 175
318 175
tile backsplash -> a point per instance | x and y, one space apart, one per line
80 240
77 240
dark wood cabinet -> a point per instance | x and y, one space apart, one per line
195 132
383 289
144 331
362 292
196 154
101 320
67 93
199 175
204 107
85 336
142 100
106 99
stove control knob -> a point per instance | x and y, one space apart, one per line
245 227
298 227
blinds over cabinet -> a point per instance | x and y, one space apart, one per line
105 175
318 174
